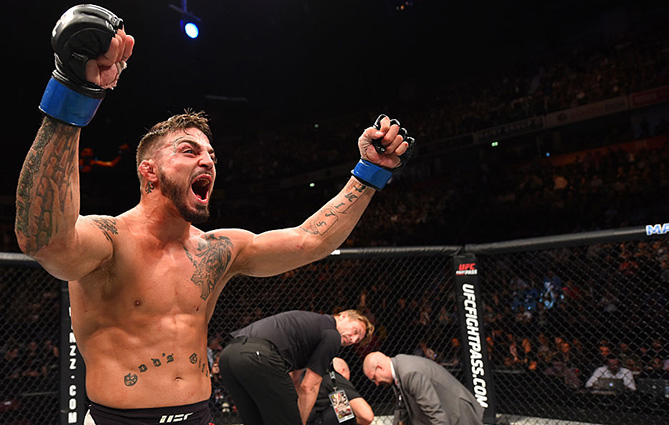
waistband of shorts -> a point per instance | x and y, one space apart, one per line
188 413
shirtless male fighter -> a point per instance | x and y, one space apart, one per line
143 285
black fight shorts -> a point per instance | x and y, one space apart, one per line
190 414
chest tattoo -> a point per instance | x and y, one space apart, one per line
210 258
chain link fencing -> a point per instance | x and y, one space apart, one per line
397 293
557 319
29 345
552 316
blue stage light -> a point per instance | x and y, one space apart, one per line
189 22
192 30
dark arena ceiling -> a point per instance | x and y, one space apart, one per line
272 62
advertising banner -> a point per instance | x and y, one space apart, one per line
476 366
511 129
586 112
649 97
72 401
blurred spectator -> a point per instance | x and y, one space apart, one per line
563 367
654 369
613 370
423 350
11 368
88 162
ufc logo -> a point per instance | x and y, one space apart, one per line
174 418
467 266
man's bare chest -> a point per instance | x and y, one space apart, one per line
192 269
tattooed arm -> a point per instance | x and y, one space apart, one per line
48 226
277 251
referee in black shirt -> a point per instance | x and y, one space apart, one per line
262 366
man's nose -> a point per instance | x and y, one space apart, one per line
207 161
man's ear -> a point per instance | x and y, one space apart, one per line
147 169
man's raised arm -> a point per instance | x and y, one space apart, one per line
47 196
383 147
90 50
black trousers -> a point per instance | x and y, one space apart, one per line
256 377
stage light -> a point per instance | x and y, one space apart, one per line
190 24
191 29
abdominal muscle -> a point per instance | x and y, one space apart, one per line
141 358
142 380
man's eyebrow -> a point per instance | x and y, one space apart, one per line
193 143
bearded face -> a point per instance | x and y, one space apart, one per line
178 194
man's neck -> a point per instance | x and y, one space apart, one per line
163 223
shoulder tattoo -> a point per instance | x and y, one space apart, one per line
107 225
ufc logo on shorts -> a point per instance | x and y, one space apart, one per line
174 418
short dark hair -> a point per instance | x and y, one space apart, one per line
188 119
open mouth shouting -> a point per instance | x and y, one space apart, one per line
201 187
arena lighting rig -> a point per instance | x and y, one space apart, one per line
190 24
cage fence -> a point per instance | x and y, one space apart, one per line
552 319
557 318
29 345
